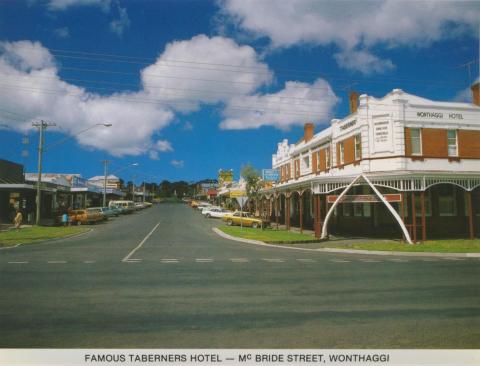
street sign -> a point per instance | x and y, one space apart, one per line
364 198
271 175
241 201
237 193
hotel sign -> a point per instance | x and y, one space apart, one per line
382 134
365 198
348 125
439 115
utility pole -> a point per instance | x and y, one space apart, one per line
144 191
105 164
42 126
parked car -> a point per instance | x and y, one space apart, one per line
109 211
116 210
245 218
127 206
139 206
82 217
97 210
215 212
206 208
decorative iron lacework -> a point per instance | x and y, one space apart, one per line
398 183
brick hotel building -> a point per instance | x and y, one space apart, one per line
401 165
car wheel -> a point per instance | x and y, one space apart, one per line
229 222
207 216
255 225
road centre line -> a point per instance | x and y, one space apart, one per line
141 243
200 260
370 261
274 260
339 261
239 260
88 262
18 262
398 260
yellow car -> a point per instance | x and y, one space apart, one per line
245 218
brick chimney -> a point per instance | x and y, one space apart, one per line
353 101
308 131
476 93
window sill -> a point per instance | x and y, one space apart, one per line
417 158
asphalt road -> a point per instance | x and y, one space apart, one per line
182 286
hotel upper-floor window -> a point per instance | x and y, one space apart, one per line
306 161
452 143
327 157
416 141
341 151
358 147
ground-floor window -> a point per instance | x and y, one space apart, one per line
447 200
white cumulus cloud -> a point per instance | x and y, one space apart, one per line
63 32
363 61
32 90
191 72
59 5
119 25
296 104
163 145
177 163
354 25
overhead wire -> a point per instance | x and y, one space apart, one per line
120 58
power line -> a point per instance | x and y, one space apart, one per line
88 81
143 60
162 101
190 102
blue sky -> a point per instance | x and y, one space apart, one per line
194 86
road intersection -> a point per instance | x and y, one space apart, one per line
163 279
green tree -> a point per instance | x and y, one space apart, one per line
253 182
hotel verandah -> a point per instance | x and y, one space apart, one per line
400 165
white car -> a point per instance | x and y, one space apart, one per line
202 205
216 212
208 208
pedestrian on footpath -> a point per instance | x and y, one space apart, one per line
18 220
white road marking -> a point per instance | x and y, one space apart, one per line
306 260
370 261
239 260
133 260
398 260
169 260
339 261
88 262
273 260
141 243
56 262
203 260
453 259
18 262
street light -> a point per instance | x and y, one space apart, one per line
42 126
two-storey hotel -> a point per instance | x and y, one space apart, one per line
401 165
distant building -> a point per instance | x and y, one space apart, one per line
112 181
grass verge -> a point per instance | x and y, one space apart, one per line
439 246
37 233
266 235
